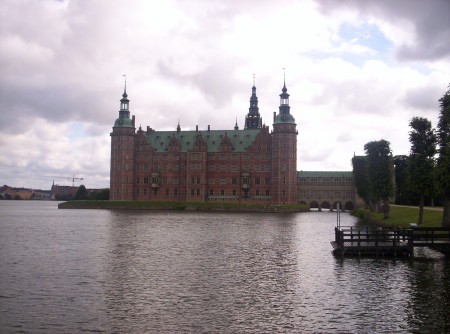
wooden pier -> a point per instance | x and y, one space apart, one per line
378 241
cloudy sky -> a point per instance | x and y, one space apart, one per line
357 71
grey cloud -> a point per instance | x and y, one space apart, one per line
430 19
423 98
215 81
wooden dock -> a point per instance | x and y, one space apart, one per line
377 241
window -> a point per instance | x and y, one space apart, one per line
222 192
234 180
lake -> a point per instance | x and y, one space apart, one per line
84 271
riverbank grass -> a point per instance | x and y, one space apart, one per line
400 217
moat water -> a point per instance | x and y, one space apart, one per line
77 271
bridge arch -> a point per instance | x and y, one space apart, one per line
349 206
313 205
335 204
325 205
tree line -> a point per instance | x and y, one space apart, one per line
420 178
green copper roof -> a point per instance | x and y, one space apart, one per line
240 139
284 118
324 174
123 122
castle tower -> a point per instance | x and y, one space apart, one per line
284 153
253 119
122 153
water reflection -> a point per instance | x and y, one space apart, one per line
110 271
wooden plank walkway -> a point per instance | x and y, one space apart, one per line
377 241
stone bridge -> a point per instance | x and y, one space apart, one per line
324 190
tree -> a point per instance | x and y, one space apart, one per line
402 189
102 195
82 193
381 175
361 177
443 162
421 159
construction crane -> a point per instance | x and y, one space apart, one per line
73 178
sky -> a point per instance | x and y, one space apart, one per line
356 71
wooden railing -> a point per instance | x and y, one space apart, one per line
371 235
430 235
377 237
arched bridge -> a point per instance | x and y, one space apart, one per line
324 190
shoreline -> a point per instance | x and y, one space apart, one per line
182 206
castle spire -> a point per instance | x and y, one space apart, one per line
284 96
253 119
125 87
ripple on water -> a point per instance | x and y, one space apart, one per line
106 271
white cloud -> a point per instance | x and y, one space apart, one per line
62 66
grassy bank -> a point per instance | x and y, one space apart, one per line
400 217
191 206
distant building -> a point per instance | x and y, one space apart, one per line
323 190
7 192
252 165
63 193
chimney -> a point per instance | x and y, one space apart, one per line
274 115
133 120
209 128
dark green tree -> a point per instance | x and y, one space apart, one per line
421 160
102 195
443 161
82 194
381 173
361 179
402 189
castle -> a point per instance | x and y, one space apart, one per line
252 165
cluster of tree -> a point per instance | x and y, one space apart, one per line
374 176
83 194
9 197
421 178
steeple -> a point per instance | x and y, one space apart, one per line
124 119
124 103
284 98
284 115
253 119
236 127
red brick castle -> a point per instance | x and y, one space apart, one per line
249 165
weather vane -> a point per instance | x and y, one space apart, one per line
253 79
